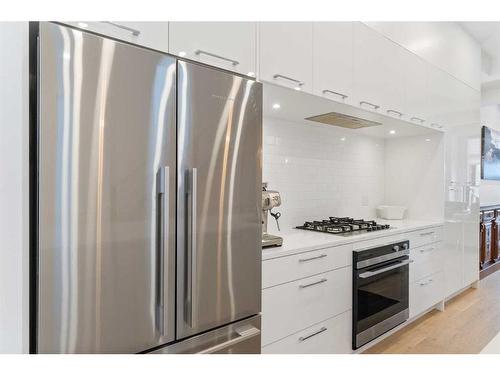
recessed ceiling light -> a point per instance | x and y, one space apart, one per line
392 131
427 139
83 24
276 106
298 88
251 74
342 139
182 54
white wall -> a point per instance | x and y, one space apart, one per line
13 188
414 175
489 191
319 174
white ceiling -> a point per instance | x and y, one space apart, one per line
487 34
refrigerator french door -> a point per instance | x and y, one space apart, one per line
148 224
218 207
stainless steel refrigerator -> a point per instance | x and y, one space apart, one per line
149 175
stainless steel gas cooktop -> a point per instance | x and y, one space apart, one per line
344 226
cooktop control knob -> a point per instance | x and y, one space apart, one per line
404 246
395 248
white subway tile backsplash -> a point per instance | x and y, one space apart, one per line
322 171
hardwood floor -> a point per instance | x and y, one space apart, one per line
470 321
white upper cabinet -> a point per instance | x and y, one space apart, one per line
416 86
148 34
443 44
286 50
228 45
378 73
332 60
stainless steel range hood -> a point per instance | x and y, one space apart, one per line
342 120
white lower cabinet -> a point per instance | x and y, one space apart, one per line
425 293
290 307
281 270
332 336
427 260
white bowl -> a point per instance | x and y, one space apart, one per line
391 212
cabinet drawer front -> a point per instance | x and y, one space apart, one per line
290 307
425 293
281 270
427 260
332 336
425 236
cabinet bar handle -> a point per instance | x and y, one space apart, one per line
134 32
389 111
201 52
437 126
417 119
427 250
426 233
313 258
312 284
300 83
374 106
343 96
321 330
425 282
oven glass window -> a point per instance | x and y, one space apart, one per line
381 296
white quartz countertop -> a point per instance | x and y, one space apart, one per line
298 240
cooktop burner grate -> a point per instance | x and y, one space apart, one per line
343 226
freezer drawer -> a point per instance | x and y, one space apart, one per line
242 337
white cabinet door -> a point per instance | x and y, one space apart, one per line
286 54
332 60
453 257
148 34
228 45
416 85
377 72
442 44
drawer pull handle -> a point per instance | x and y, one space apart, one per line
300 83
313 258
389 111
312 284
374 106
343 96
201 52
427 250
134 32
418 119
426 233
427 282
321 330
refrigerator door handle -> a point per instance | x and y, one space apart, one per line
193 249
162 193
244 333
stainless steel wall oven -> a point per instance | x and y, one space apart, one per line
380 290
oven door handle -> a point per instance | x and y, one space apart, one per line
368 274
